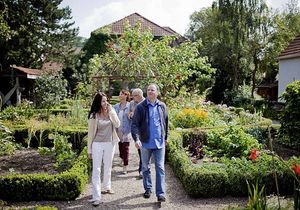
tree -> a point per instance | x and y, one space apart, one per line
38 30
136 57
49 90
231 32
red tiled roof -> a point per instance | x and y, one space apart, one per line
118 26
52 67
27 70
293 50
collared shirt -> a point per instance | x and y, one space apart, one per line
155 136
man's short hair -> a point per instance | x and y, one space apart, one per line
137 91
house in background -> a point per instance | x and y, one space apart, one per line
289 65
117 28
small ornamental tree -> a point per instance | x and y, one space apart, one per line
290 119
137 57
49 90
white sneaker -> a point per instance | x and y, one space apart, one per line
96 203
124 169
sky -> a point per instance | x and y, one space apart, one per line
90 15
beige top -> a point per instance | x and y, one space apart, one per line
104 131
92 129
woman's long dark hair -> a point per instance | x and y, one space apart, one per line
96 105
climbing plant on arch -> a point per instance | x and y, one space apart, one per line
137 56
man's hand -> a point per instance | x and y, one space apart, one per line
130 115
138 144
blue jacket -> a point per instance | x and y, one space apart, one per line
140 121
126 122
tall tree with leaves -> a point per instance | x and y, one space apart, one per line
226 30
39 30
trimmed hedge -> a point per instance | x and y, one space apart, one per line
229 178
32 187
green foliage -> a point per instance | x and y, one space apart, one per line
243 40
64 186
49 90
231 142
229 176
257 197
65 156
8 147
137 57
19 112
32 30
233 37
241 97
290 120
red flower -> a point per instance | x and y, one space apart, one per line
253 154
296 169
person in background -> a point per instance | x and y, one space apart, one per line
102 138
137 95
149 130
122 109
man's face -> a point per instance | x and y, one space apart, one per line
152 92
136 97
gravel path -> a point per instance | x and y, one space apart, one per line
129 193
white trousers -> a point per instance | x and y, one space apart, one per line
101 151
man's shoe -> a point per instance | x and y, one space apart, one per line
140 175
96 203
161 199
147 194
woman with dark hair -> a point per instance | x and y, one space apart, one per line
122 109
102 138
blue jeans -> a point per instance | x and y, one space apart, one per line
159 161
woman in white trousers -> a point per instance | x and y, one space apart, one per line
102 138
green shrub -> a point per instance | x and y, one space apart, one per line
231 142
17 113
8 147
49 90
33 187
62 150
228 177
290 119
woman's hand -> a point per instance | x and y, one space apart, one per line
109 107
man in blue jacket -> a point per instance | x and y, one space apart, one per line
149 130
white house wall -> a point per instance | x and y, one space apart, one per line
289 71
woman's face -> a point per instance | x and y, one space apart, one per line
122 96
104 103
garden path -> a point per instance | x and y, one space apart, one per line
129 193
